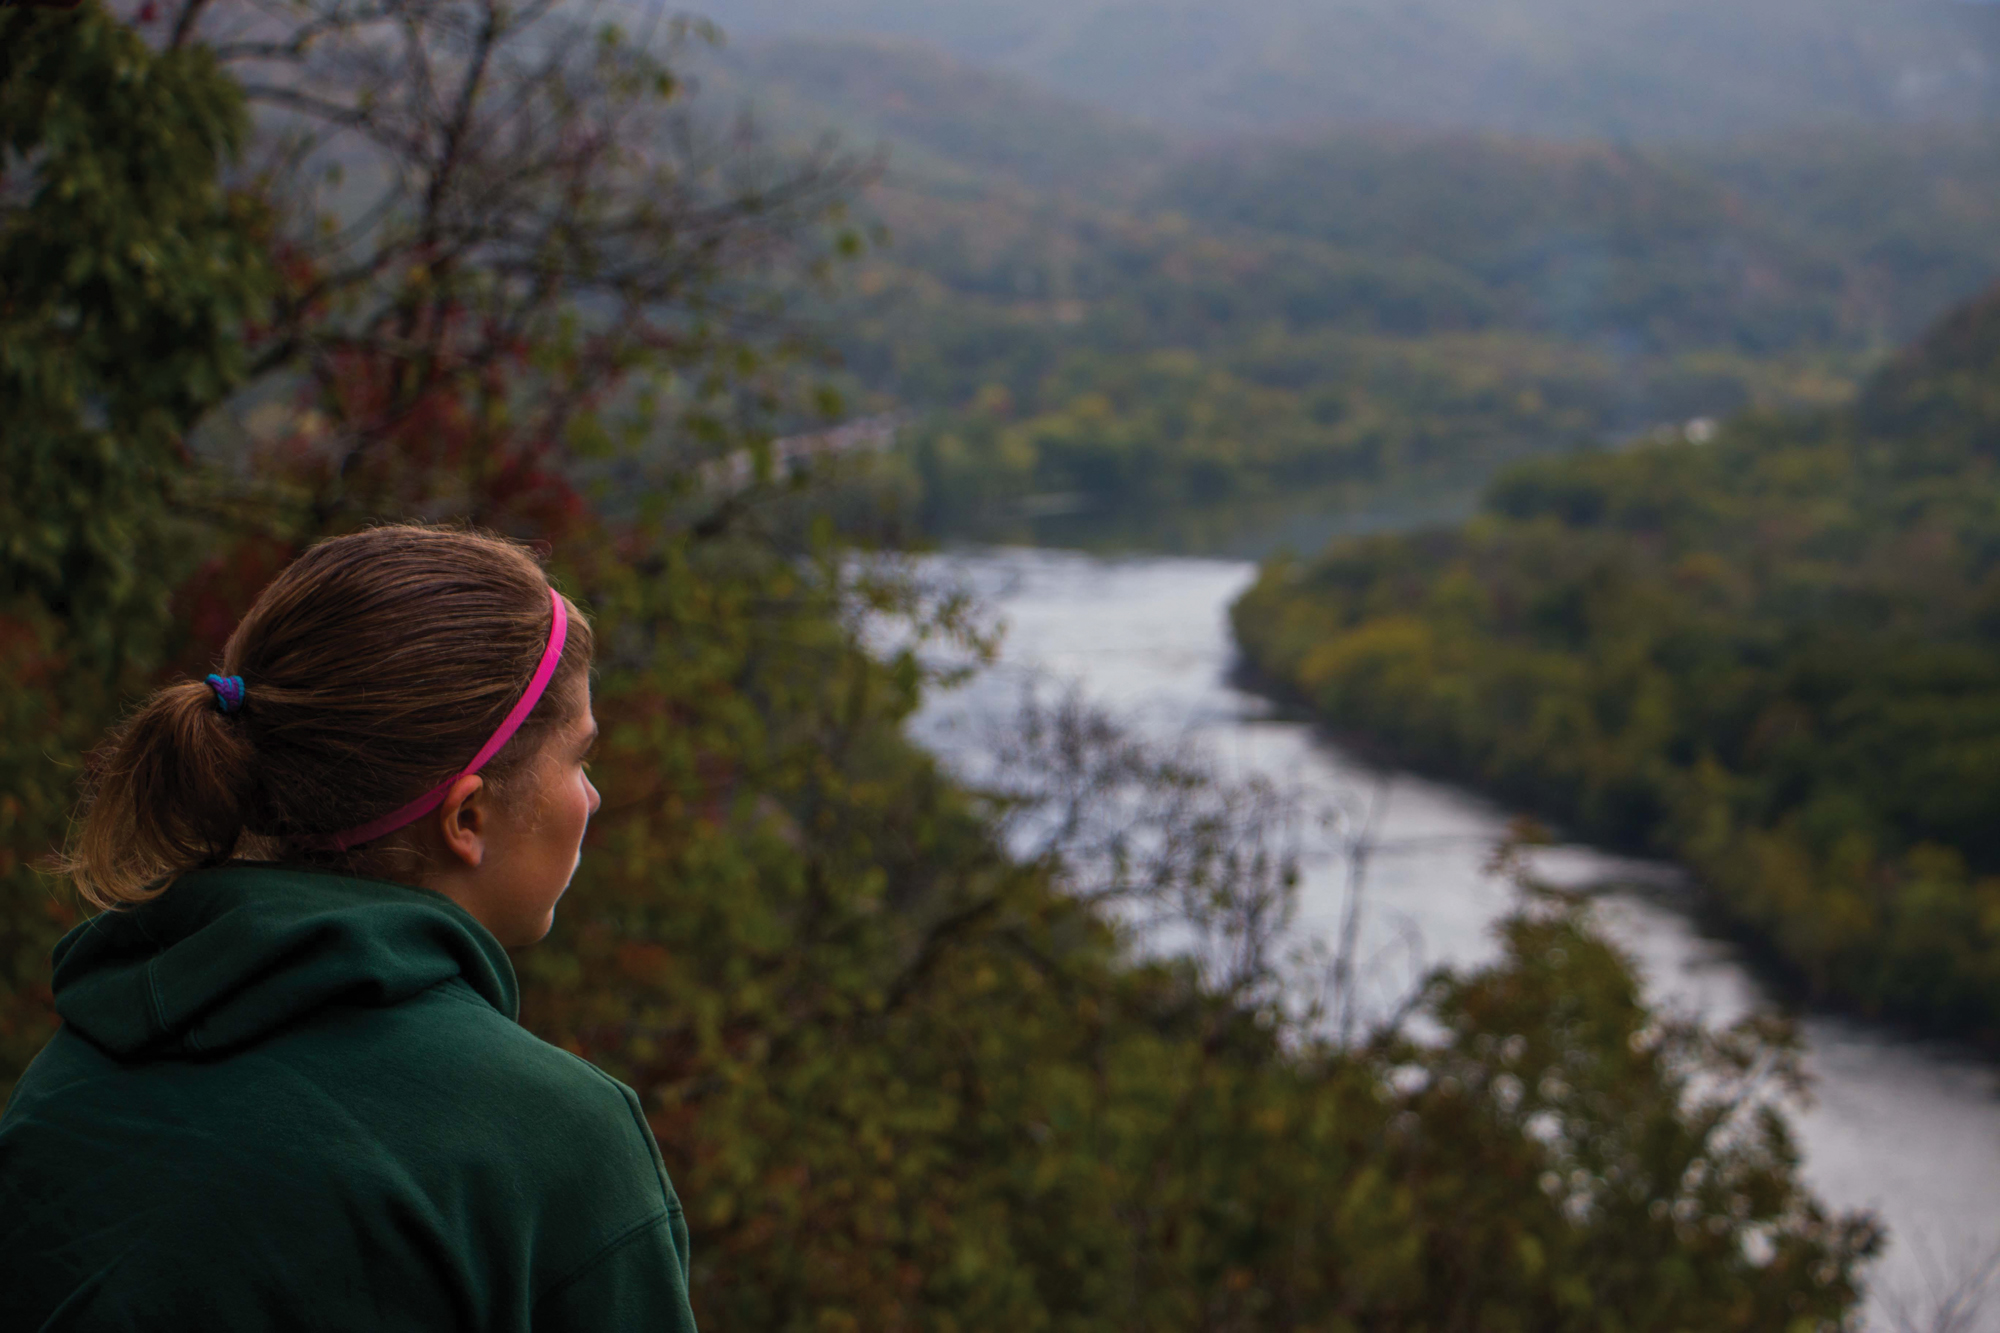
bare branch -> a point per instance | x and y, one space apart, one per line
511 209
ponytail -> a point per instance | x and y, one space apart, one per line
373 667
167 794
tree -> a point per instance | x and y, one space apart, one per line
127 273
903 1062
510 246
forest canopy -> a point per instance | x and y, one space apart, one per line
1107 335
1771 655
904 1076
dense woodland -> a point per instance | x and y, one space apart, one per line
903 1077
1112 336
1772 655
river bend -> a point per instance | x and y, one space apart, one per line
1909 1130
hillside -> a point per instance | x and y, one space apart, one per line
1776 656
1646 70
1913 205
1760 245
948 120
907 1071
1114 335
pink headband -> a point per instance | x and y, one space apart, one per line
432 799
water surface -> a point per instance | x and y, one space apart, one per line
1907 1129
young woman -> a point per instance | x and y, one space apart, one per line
289 1091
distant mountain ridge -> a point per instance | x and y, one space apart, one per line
1638 71
1851 237
1148 323
944 116
1856 238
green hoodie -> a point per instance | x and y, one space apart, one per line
284 1099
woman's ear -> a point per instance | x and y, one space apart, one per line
463 821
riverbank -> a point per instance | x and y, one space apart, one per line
1909 1130
1691 897
1770 655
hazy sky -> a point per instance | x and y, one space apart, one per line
1642 69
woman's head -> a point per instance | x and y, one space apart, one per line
374 668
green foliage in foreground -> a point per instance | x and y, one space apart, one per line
126 273
907 1081
906 1084
1773 656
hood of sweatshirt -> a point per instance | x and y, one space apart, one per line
229 955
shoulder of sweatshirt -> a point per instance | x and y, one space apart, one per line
523 1105
535 1105
520 1163
441 1091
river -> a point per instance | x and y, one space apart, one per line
1906 1129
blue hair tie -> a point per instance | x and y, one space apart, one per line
228 692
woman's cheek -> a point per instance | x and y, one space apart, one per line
583 804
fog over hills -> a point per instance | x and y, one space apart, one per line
1146 321
945 117
1855 236
1641 69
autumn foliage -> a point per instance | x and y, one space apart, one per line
904 1077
